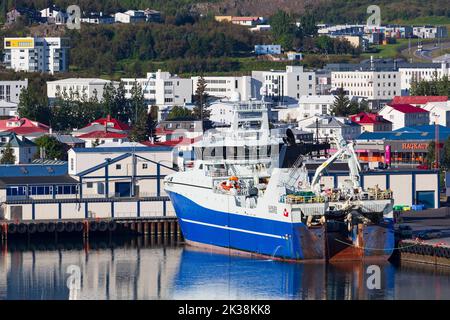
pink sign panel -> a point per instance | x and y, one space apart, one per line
387 154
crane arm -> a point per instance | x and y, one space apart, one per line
315 180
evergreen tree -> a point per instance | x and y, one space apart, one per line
201 111
341 104
8 156
139 118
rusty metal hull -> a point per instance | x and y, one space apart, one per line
364 242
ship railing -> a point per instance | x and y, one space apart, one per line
293 199
216 173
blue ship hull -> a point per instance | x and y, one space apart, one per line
257 236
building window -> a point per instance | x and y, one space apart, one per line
89 185
144 166
118 166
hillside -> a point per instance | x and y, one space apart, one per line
337 11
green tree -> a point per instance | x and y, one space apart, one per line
139 118
431 154
201 111
33 105
51 148
8 156
180 113
341 104
445 158
283 29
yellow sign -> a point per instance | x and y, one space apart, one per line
13 43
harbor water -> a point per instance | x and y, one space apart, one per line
148 268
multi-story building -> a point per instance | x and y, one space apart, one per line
405 115
161 88
226 87
410 72
77 88
48 55
284 87
378 82
10 90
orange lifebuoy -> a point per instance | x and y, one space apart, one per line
225 186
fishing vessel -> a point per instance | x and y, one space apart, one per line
249 192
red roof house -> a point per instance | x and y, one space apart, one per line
418 100
371 122
24 127
112 123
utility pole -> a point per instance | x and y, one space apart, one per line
436 142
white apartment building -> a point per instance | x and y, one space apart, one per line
162 89
439 112
10 90
420 71
376 86
77 88
405 115
48 55
284 86
226 87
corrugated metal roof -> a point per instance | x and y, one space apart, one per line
426 133
33 170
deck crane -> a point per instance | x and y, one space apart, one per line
345 151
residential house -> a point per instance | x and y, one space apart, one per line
24 127
267 49
130 16
101 131
176 130
326 126
371 122
97 18
23 148
405 115
439 112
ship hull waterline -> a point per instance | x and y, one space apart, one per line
233 234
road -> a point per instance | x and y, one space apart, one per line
427 51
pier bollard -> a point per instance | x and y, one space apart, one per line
160 228
152 229
145 228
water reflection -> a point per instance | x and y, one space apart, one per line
147 269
